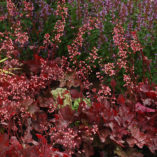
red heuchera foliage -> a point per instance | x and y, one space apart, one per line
33 125
26 106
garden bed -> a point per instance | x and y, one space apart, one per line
78 78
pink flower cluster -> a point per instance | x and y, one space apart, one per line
68 137
93 57
104 92
127 81
60 24
59 29
109 69
46 39
135 45
28 7
81 67
123 53
22 38
119 41
78 42
11 8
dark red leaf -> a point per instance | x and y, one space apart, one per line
103 134
60 100
121 100
67 113
151 94
74 93
113 83
114 112
56 116
4 142
65 155
37 58
89 151
41 138
54 149
140 108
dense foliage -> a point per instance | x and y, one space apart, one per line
77 78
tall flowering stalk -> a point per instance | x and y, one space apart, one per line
11 8
28 8
123 53
61 11
81 67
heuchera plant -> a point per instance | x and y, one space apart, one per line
50 107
